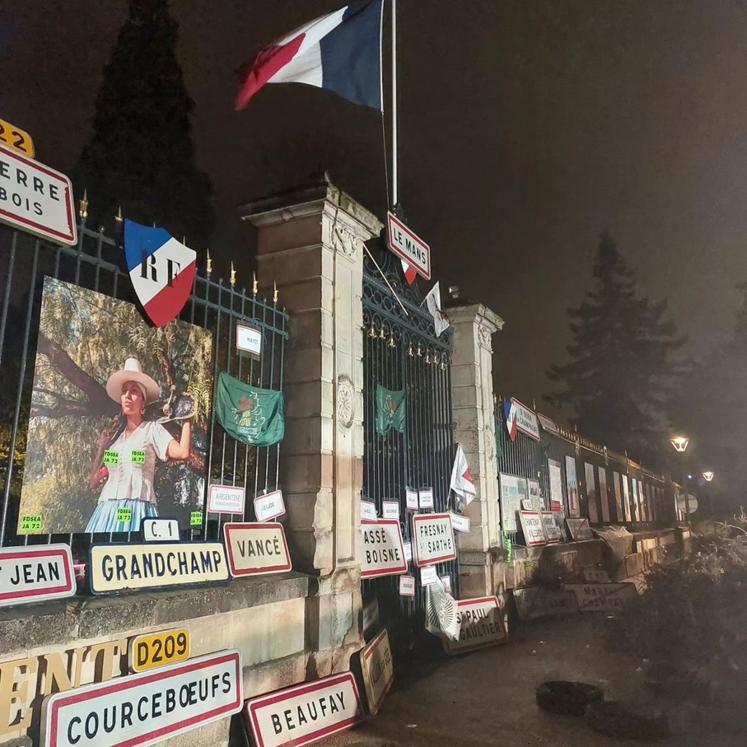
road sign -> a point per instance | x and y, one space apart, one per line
16 138
383 553
480 624
377 670
35 574
407 245
36 198
602 597
145 708
152 650
256 548
434 539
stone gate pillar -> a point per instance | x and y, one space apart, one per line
474 428
310 242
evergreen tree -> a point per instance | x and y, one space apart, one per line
141 155
621 369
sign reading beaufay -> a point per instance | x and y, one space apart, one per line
154 566
145 708
35 574
36 198
305 713
383 553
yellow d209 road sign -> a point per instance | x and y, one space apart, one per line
15 137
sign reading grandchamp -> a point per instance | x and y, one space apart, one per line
433 540
36 198
406 244
255 549
35 574
302 714
155 566
480 624
145 708
383 551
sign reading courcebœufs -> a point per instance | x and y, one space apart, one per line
36 198
480 624
145 708
433 540
383 551
256 548
119 567
35 574
409 246
302 714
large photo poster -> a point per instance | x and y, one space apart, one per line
513 492
571 486
119 419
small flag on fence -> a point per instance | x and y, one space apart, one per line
433 302
509 412
390 410
249 414
461 478
339 51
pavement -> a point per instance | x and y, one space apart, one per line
487 697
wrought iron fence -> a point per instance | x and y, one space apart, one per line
402 353
96 263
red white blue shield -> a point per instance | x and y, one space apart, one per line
162 271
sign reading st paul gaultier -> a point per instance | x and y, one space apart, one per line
480 624
122 567
305 713
35 574
256 548
433 540
383 551
145 708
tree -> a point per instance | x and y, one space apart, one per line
141 155
621 370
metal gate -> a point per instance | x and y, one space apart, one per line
401 352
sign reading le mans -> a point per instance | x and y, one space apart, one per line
153 566
35 574
145 708
434 539
383 552
408 246
305 713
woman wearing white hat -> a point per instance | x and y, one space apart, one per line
129 454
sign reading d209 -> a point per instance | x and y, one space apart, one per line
35 574
433 539
162 271
145 708
36 198
305 713
383 550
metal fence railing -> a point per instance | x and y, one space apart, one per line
97 264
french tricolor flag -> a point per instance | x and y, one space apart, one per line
339 52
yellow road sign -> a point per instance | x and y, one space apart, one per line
15 137
152 650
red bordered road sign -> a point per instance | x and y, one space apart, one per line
406 244
433 539
304 713
255 548
480 625
383 548
143 709
35 574
36 198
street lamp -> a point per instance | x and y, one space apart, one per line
708 476
680 444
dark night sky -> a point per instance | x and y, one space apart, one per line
527 128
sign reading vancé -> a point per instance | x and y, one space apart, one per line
35 574
145 708
305 713
256 548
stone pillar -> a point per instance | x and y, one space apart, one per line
310 242
474 428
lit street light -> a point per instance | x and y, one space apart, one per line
708 476
680 444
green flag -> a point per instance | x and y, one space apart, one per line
390 410
249 414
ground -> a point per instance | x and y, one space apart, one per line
487 697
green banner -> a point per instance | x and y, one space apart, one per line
249 414
390 410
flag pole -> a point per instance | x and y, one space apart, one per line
394 103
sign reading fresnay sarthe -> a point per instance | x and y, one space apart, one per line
433 539
36 198
120 567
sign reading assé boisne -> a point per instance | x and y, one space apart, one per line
480 624
383 550
256 548
36 198
433 539
145 708
119 567
304 713
35 574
